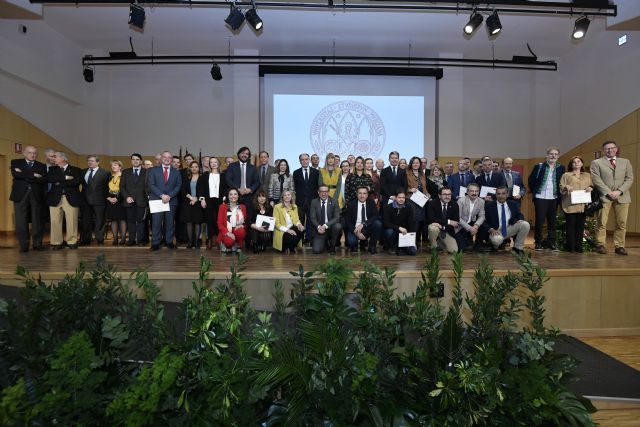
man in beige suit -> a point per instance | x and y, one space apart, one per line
613 177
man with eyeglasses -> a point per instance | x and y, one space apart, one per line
443 216
613 177
544 182
324 214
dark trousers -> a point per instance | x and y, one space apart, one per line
322 242
575 230
391 238
93 222
303 215
157 220
464 239
135 223
545 211
290 241
372 232
28 209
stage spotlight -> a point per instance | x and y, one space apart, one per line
493 24
215 72
581 27
474 22
136 16
235 18
88 73
253 18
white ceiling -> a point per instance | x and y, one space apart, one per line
201 30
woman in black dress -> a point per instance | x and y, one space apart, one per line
260 235
115 211
191 206
212 190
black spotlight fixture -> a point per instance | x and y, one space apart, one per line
136 16
215 72
580 28
87 72
253 18
474 22
493 24
235 18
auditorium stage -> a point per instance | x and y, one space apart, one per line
587 294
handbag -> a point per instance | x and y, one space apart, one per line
595 205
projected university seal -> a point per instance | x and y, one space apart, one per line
347 127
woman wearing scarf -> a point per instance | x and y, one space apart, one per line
232 223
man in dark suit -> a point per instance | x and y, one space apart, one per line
243 176
544 183
504 219
398 219
462 178
489 178
164 184
27 195
512 178
64 199
443 217
324 217
265 170
95 181
133 188
305 181
363 223
392 179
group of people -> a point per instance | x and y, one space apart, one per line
476 207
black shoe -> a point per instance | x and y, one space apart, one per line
114 243
517 251
539 247
57 247
171 246
131 243
621 251
23 250
155 247
372 250
40 248
190 246
579 250
74 246
100 242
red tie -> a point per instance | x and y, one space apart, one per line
166 175
613 162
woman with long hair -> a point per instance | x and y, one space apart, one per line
289 230
260 234
212 189
437 177
115 211
374 194
329 174
192 205
417 181
358 178
574 179
281 181
232 224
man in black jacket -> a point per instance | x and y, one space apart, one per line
504 219
324 216
95 186
27 195
443 216
398 219
305 181
133 188
64 199
363 223
392 179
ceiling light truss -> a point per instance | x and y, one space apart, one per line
593 8
325 61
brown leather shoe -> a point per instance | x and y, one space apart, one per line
621 251
601 249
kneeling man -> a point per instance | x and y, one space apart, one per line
363 222
505 220
325 222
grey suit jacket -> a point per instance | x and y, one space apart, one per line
315 216
477 215
264 183
607 179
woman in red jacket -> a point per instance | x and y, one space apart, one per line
232 223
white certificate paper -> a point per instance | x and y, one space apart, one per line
463 191
261 219
419 198
516 191
486 190
580 196
156 206
406 240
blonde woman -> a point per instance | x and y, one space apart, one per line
289 230
329 174
115 211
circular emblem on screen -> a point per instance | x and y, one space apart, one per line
347 127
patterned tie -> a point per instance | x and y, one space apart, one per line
509 180
503 222
166 174
613 162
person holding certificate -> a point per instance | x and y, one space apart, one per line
260 234
399 221
417 181
232 223
573 182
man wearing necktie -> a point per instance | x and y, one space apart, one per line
265 170
27 195
245 177
363 223
504 219
164 183
489 178
392 179
324 215
512 178
443 217
95 188
462 178
305 181
133 188
613 177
